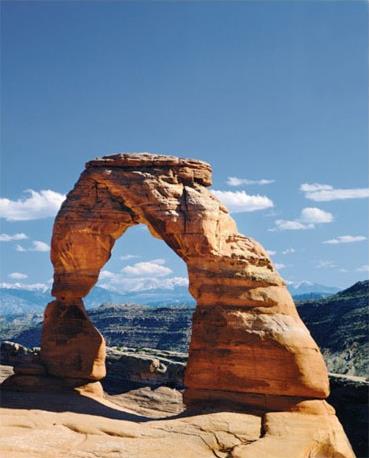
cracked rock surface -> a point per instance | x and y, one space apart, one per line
154 424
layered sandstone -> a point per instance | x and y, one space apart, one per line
145 423
247 336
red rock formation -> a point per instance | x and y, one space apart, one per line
247 336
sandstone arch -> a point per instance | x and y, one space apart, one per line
248 342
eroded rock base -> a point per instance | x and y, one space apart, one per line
59 425
265 403
29 383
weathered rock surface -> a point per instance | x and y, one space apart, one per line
248 347
151 423
14 354
145 366
247 336
129 381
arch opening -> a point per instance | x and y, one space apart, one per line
148 304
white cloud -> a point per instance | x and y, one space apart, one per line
309 217
364 268
315 216
292 225
35 205
240 201
29 287
106 274
235 181
326 265
306 187
154 268
141 276
127 257
289 251
17 276
271 252
10 238
121 283
280 266
37 245
326 193
345 239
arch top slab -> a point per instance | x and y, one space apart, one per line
247 336
182 170
170 196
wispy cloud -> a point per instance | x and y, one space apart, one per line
37 245
325 192
364 268
123 283
235 181
326 265
309 217
11 238
345 239
154 268
36 205
240 201
127 257
17 276
280 266
29 287
315 215
289 251
291 225
271 252
141 276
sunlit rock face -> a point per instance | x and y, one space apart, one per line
247 337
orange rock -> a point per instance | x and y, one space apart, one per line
71 346
247 336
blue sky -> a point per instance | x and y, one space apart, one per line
273 91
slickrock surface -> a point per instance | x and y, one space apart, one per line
247 336
130 379
153 424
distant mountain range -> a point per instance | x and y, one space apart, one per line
19 301
338 323
305 290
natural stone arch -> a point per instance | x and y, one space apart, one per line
248 343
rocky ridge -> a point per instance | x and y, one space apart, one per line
340 326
